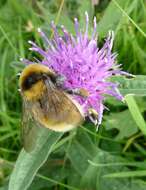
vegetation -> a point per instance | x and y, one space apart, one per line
112 158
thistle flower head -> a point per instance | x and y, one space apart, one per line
83 64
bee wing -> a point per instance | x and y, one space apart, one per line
54 109
59 108
29 129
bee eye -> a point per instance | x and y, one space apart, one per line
31 80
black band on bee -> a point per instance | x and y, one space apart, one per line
33 78
30 80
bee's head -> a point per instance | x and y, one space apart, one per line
32 80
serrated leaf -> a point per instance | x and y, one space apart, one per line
135 85
102 183
122 121
92 177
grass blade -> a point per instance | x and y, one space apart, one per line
126 174
135 112
131 20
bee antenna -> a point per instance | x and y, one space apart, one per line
18 74
19 90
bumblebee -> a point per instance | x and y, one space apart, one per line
46 103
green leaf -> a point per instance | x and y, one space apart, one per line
28 164
126 174
141 165
135 112
4 188
92 177
85 6
111 18
131 20
135 85
122 121
81 150
99 173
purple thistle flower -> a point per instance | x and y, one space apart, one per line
83 64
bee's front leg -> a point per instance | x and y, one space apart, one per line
60 79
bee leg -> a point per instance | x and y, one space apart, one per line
60 80
93 116
73 91
78 91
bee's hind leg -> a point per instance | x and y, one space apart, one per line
78 91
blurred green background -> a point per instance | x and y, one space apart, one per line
115 157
